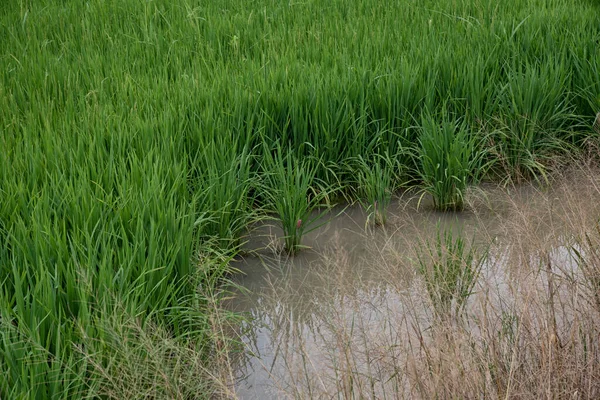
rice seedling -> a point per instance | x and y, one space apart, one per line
291 190
375 182
449 158
450 267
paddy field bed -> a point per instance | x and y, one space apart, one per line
146 145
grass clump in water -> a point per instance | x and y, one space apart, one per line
449 158
450 267
375 181
291 190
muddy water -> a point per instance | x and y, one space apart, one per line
354 281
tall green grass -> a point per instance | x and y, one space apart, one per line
538 120
292 191
87 221
375 181
450 267
225 182
132 137
450 158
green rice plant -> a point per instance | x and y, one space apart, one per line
291 190
450 267
31 371
375 180
131 134
587 87
146 358
88 220
449 158
225 180
536 116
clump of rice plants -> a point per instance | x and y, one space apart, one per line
146 359
537 116
448 159
119 226
225 180
116 127
292 191
450 267
375 180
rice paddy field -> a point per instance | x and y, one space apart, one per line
141 140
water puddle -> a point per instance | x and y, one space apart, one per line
346 316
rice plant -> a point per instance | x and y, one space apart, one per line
375 180
291 190
450 267
537 120
449 158
132 134
225 180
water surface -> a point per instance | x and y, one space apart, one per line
353 279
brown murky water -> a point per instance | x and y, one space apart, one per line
358 286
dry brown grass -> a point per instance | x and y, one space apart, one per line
146 361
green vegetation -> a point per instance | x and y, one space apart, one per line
450 268
375 182
224 181
541 119
450 159
133 137
291 190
